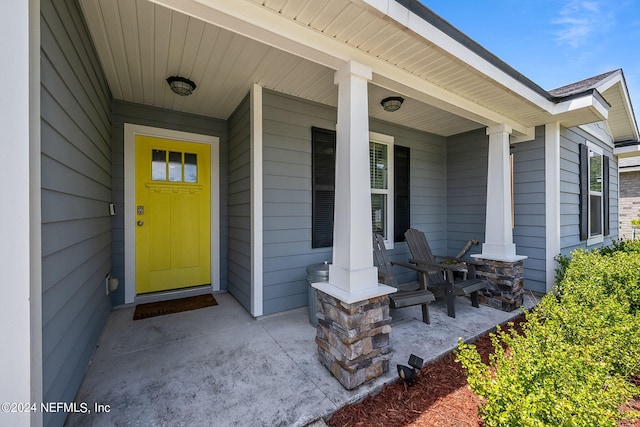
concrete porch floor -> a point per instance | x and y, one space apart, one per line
218 366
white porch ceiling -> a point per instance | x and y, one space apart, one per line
141 43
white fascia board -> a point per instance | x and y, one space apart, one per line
418 25
617 79
629 169
258 23
589 101
628 151
609 82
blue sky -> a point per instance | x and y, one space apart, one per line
554 42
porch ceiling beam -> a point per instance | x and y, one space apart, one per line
423 91
255 22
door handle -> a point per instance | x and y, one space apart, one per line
140 223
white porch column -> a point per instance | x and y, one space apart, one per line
352 276
552 199
20 219
498 228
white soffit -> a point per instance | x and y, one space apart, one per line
293 47
621 118
263 20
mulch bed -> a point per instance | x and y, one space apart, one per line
440 396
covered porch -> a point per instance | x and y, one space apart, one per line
269 82
267 73
179 370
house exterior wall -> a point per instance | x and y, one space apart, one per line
287 123
529 209
239 283
287 194
76 191
126 112
570 139
467 160
629 203
467 157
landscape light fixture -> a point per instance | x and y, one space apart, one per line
180 85
392 103
409 374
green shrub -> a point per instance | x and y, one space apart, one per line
571 366
629 246
563 263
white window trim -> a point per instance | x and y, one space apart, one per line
387 140
597 238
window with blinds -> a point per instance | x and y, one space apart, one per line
379 171
389 187
594 193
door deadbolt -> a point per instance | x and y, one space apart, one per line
140 223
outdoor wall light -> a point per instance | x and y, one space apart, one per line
392 103
410 374
181 85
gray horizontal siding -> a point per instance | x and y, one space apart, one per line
76 191
529 232
467 156
287 194
570 139
286 163
126 112
239 283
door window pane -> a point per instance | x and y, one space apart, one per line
190 167
175 166
158 165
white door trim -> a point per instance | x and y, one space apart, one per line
130 132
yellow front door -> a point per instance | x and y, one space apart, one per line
173 210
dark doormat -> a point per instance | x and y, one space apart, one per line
153 309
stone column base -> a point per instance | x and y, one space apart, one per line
353 339
505 281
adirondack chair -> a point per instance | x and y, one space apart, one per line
408 294
423 257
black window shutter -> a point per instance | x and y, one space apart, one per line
584 191
401 215
605 193
323 166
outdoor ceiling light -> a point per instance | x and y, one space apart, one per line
181 85
410 374
392 103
